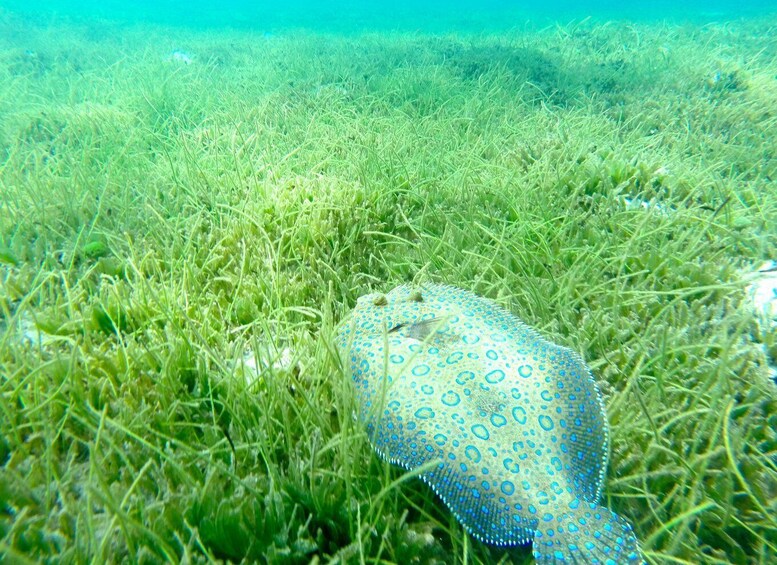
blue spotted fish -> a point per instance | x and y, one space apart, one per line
509 427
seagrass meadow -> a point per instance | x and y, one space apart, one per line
186 216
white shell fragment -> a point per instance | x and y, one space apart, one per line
763 291
253 365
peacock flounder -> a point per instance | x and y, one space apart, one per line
510 427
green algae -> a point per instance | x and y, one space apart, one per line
95 249
8 257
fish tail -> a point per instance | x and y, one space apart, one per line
589 533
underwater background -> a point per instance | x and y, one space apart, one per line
193 196
361 15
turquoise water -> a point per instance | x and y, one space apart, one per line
361 15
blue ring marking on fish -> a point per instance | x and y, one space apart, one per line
496 376
465 376
546 422
519 415
497 420
511 465
454 357
450 398
472 453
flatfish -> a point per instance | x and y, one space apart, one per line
510 428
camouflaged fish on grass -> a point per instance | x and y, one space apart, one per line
514 422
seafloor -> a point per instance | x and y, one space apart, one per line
186 215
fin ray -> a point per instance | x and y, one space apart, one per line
591 534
